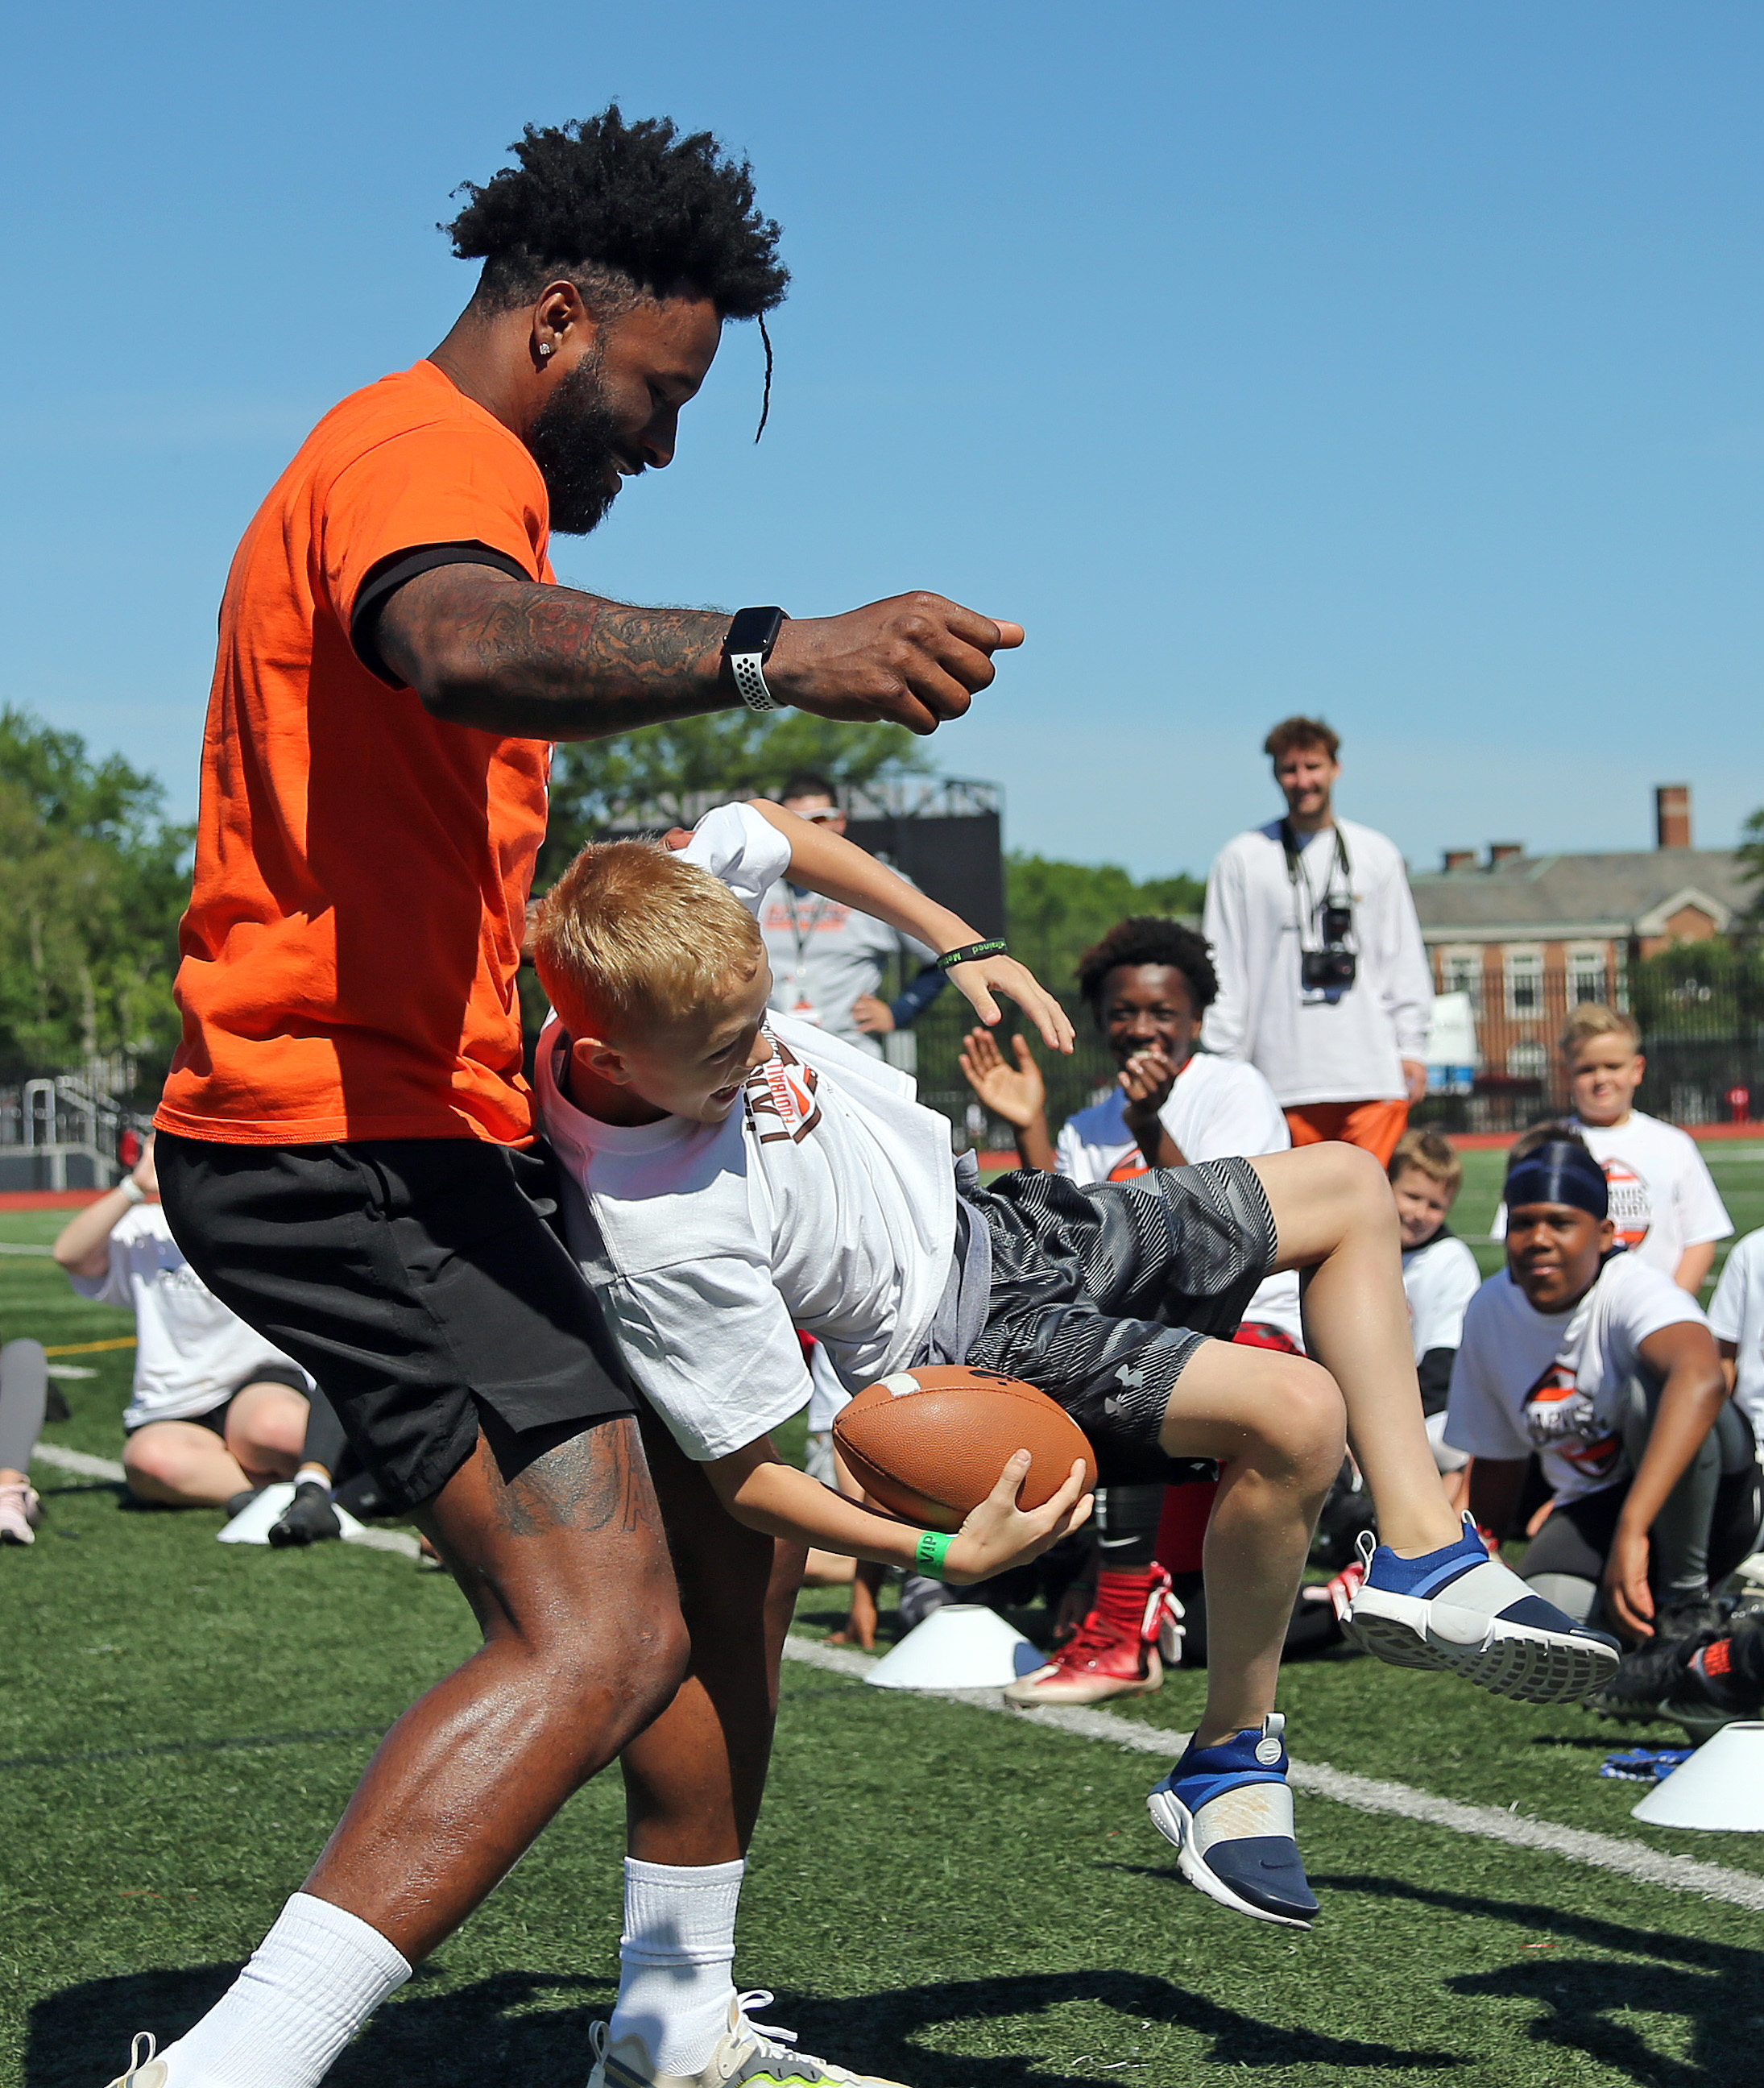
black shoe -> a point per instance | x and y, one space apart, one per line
309 1518
1681 1620
1644 1681
361 1495
1708 1694
238 1503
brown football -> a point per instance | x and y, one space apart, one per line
930 1444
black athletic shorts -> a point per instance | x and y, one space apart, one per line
1100 1294
215 1419
418 1280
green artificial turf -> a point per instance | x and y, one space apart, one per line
951 1898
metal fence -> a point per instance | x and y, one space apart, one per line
1700 1011
63 1131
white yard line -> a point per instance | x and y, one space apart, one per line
1365 1794
78 1461
89 1467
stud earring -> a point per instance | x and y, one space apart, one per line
545 350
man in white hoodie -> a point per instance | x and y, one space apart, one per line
1324 986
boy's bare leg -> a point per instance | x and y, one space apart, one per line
1336 1220
265 1430
180 1464
565 1566
1275 1424
695 1777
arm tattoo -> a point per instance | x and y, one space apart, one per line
550 662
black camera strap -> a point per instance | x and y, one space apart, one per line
1304 905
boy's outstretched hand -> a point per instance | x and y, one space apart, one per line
985 976
1017 1093
998 1534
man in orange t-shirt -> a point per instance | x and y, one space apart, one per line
346 1143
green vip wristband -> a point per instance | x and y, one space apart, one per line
933 1548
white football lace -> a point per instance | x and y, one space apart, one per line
761 1997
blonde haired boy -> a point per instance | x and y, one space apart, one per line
1664 1205
1439 1278
731 1176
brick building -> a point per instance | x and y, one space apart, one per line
1530 936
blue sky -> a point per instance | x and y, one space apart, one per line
1399 361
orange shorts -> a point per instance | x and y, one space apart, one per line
1375 1126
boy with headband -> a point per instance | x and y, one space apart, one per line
1584 1353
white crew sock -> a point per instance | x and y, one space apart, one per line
312 1982
674 1960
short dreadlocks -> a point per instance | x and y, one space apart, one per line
621 209
1149 938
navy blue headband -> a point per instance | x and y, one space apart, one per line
1560 1173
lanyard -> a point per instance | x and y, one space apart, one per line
799 934
1296 872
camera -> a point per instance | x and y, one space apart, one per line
1333 968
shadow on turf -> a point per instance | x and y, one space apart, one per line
532 2028
1716 1991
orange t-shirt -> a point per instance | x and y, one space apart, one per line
349 954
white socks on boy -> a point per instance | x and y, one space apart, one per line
311 1983
674 1961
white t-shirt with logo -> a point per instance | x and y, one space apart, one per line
1218 1109
1439 1278
1556 1382
1737 1315
192 1352
826 956
825 1201
1663 1196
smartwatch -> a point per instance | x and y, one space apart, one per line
747 648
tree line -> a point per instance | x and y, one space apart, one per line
94 875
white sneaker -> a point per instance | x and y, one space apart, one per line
20 1513
145 2071
746 2051
1463 1610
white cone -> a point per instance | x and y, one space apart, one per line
1722 1785
251 1526
962 1645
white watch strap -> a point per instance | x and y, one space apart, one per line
749 671
132 1190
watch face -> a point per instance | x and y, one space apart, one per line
754 630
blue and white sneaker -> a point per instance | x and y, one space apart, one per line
1229 1811
1460 1609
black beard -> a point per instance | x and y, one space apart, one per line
574 442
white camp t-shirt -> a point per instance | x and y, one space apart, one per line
1218 1109
825 1201
1663 1196
826 956
1737 1315
1439 1278
192 1352
1556 1382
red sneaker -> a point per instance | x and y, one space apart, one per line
1135 1626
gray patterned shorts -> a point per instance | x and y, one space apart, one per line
1100 1295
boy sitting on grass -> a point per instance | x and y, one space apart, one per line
1605 1368
1439 1278
736 1176
1665 1208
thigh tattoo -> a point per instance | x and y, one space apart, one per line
595 1480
